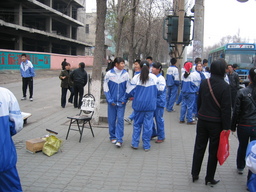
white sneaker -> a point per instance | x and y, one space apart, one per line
113 141
118 144
31 99
128 120
23 98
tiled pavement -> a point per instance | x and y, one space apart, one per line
97 165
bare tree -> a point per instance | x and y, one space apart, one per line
98 54
131 39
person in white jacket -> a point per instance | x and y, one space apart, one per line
11 122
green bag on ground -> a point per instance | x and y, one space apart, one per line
52 145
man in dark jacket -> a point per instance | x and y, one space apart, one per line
66 85
233 82
79 79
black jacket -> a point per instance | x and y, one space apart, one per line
245 108
65 83
208 110
79 76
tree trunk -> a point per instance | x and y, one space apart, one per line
120 23
131 43
98 55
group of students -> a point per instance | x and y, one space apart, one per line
148 91
191 78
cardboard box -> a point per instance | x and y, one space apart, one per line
35 145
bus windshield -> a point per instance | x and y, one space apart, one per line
244 59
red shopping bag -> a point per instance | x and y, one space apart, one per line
223 150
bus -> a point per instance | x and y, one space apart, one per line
242 54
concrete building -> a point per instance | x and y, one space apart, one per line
42 25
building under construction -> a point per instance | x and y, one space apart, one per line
42 25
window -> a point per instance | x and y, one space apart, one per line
87 28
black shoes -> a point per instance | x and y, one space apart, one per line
195 178
212 182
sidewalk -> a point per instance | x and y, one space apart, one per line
97 165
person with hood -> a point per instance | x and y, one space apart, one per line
213 117
11 122
115 84
143 87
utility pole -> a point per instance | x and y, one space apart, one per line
198 43
180 12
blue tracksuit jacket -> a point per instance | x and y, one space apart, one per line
11 122
115 90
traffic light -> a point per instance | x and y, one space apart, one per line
172 34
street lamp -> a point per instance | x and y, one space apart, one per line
242 1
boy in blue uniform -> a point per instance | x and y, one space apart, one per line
27 74
172 83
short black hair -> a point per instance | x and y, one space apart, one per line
23 54
235 65
82 65
137 60
198 59
205 61
173 61
149 57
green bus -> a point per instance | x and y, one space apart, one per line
242 54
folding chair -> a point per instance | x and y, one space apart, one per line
85 116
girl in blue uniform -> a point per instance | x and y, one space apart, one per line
161 101
115 83
143 88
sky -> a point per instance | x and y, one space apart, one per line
222 18
227 17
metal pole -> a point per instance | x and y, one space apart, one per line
198 43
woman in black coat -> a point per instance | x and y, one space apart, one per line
212 119
244 119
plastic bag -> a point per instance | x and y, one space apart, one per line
251 156
52 145
223 150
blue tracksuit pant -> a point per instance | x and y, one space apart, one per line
179 99
158 114
131 116
142 120
116 122
195 105
10 181
187 106
171 97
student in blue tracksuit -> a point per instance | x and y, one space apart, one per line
161 101
11 122
172 83
115 84
27 73
137 70
143 87
200 77
189 89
